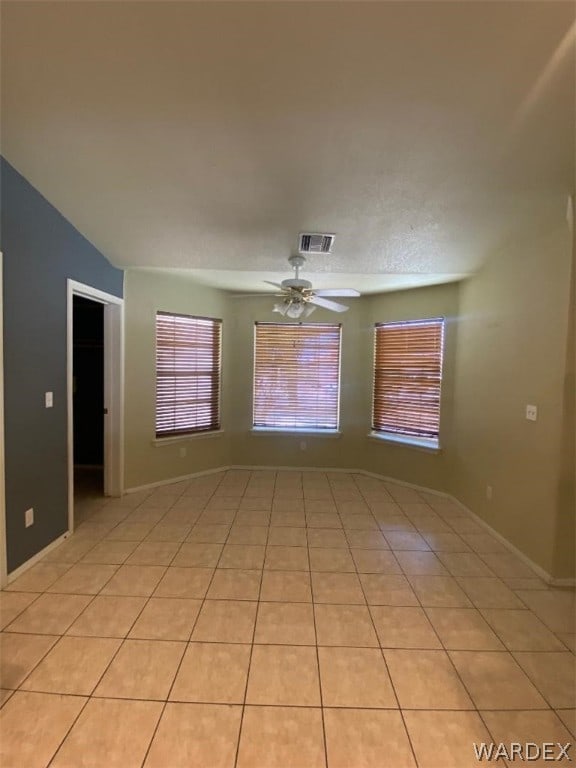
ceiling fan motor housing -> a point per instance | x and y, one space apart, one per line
297 284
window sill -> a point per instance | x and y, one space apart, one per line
420 444
280 431
158 441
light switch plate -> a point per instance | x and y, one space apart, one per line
49 399
531 412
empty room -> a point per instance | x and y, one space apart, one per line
287 384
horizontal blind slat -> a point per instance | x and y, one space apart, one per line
407 377
188 363
296 375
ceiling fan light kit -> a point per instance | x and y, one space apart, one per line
300 299
294 309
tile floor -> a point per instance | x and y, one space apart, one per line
280 620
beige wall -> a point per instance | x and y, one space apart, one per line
414 465
512 352
147 461
506 342
353 448
285 450
565 545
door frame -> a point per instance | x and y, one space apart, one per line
113 389
3 555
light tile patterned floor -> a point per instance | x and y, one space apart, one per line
280 620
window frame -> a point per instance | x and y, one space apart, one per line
215 372
425 442
286 429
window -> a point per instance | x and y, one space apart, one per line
407 380
296 376
187 374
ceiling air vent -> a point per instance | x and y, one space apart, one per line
315 243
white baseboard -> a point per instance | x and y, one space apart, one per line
36 558
538 570
563 583
264 468
344 470
405 484
179 479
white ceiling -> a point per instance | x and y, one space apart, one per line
206 136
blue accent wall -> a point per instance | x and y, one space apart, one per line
41 249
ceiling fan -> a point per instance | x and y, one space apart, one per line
299 299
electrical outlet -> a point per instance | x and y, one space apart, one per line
49 399
303 445
183 451
489 492
531 412
29 517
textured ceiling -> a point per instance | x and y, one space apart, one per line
206 136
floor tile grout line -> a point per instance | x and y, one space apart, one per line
69 730
122 639
38 662
413 751
63 633
506 650
88 698
494 734
448 656
218 703
241 724
445 651
318 664
496 578
533 682
30 604
301 645
61 637
169 692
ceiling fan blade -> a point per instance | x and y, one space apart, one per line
332 305
276 285
337 292
254 295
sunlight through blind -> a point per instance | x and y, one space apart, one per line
408 377
187 374
296 376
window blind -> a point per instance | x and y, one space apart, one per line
187 374
408 377
296 376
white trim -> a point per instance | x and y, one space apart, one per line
158 441
538 570
113 389
544 575
421 444
81 289
36 558
560 583
406 484
289 432
267 467
179 479
3 552
114 399
264 467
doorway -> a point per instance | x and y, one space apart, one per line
3 560
95 398
88 404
